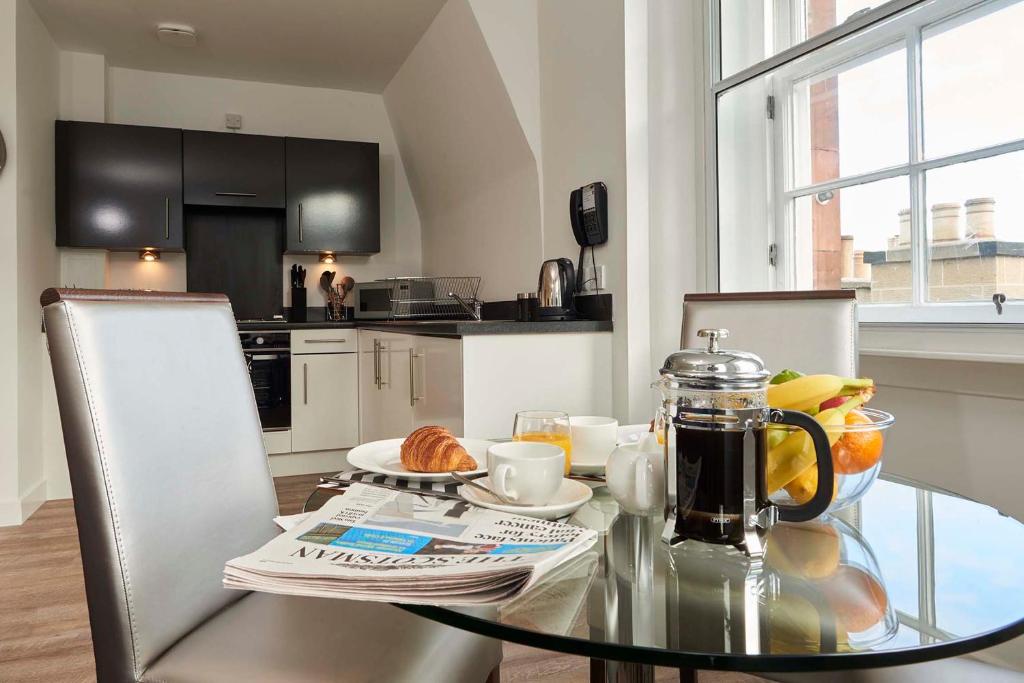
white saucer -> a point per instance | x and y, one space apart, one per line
570 496
577 468
385 457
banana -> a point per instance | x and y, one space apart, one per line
807 393
804 393
795 455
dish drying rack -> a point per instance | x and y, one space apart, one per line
434 297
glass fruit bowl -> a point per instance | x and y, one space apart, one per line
856 457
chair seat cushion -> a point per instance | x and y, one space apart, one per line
277 638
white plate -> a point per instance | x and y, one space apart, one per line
385 457
570 496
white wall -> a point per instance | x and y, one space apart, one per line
199 103
83 92
511 32
583 125
675 123
10 507
470 165
29 261
38 261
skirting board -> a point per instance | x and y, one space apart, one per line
15 512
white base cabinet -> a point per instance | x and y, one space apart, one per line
474 385
325 390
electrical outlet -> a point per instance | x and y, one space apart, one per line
233 121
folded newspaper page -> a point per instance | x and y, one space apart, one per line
372 543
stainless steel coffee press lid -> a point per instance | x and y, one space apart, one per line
715 369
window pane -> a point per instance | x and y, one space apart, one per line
743 219
851 120
889 519
976 229
845 239
753 30
973 82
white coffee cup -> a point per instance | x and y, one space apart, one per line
593 439
526 472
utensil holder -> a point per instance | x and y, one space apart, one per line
298 312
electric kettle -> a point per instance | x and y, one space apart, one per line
715 415
555 290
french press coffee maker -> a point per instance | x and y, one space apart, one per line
715 415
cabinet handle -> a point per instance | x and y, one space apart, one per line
300 221
234 194
167 218
384 352
305 384
412 377
376 363
325 341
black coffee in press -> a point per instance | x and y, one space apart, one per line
709 485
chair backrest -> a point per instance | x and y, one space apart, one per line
813 331
168 468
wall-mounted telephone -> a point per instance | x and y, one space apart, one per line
588 211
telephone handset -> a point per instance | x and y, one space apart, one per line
588 211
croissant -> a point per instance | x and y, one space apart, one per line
434 449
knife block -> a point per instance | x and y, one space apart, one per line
298 312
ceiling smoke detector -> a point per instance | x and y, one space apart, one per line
177 35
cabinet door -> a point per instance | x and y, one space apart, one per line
324 401
436 378
118 187
333 196
230 169
372 411
385 390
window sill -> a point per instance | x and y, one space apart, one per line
985 343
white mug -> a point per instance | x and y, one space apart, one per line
593 439
526 472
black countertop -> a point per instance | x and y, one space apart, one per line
447 328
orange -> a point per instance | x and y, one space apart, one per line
856 598
857 451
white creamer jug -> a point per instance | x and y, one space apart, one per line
636 476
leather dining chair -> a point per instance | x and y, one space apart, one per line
171 479
813 332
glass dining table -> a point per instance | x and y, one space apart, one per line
911 573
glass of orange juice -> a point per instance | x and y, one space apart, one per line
545 426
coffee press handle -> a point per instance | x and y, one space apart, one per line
817 505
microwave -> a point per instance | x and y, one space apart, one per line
374 300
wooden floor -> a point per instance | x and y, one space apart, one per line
44 623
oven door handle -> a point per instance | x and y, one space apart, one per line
266 356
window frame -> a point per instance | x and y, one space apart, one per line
897 24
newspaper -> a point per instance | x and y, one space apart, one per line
372 543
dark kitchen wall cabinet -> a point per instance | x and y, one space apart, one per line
333 196
118 187
232 169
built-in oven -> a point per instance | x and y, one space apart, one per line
268 356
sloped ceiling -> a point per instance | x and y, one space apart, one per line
470 166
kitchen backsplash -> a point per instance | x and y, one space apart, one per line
124 270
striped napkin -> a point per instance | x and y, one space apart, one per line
365 477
